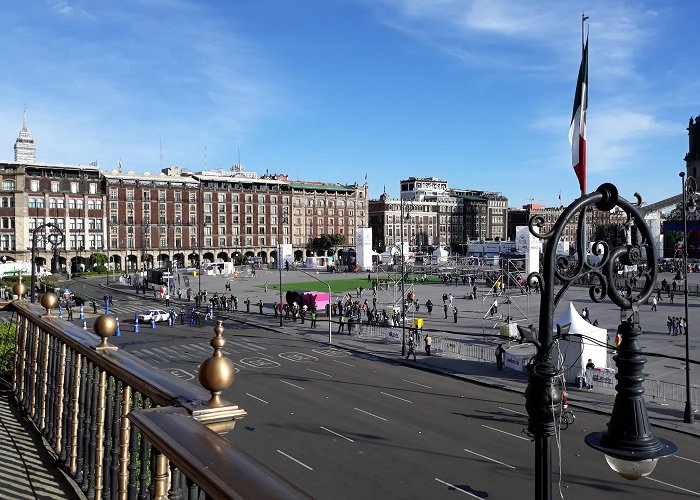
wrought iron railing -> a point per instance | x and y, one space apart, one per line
123 429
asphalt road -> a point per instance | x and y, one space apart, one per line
348 426
343 425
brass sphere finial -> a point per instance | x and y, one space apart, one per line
216 374
105 326
19 288
48 301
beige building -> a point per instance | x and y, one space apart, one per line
436 216
142 220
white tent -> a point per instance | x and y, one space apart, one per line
440 255
576 350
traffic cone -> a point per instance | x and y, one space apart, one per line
84 325
82 313
118 333
136 323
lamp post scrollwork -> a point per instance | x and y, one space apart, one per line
628 443
55 238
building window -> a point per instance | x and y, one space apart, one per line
8 185
54 186
34 185
92 188
221 197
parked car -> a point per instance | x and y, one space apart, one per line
157 314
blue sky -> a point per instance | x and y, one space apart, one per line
476 92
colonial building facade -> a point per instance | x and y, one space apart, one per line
141 221
436 216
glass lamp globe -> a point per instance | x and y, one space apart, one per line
632 470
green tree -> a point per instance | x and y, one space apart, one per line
328 241
97 259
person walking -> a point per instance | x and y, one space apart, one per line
653 303
454 314
589 374
260 306
182 315
70 311
247 305
411 348
499 356
429 307
313 318
445 309
428 342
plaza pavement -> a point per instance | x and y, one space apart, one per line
472 326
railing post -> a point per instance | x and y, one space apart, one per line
100 432
75 402
124 443
59 401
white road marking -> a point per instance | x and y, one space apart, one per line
255 397
372 414
293 385
294 459
688 459
392 396
343 363
487 458
416 383
320 373
512 411
339 435
672 486
504 432
456 488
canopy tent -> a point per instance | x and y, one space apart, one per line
440 255
584 342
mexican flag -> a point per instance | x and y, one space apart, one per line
577 130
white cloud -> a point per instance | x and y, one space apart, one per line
618 138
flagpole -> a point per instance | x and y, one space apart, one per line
584 18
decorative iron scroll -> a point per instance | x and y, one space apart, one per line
600 276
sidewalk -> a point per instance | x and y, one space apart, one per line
28 469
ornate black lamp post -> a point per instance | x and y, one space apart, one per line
55 238
689 188
629 445
407 210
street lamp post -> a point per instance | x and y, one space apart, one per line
330 309
689 188
630 447
55 238
279 260
407 210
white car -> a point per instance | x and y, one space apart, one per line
157 314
